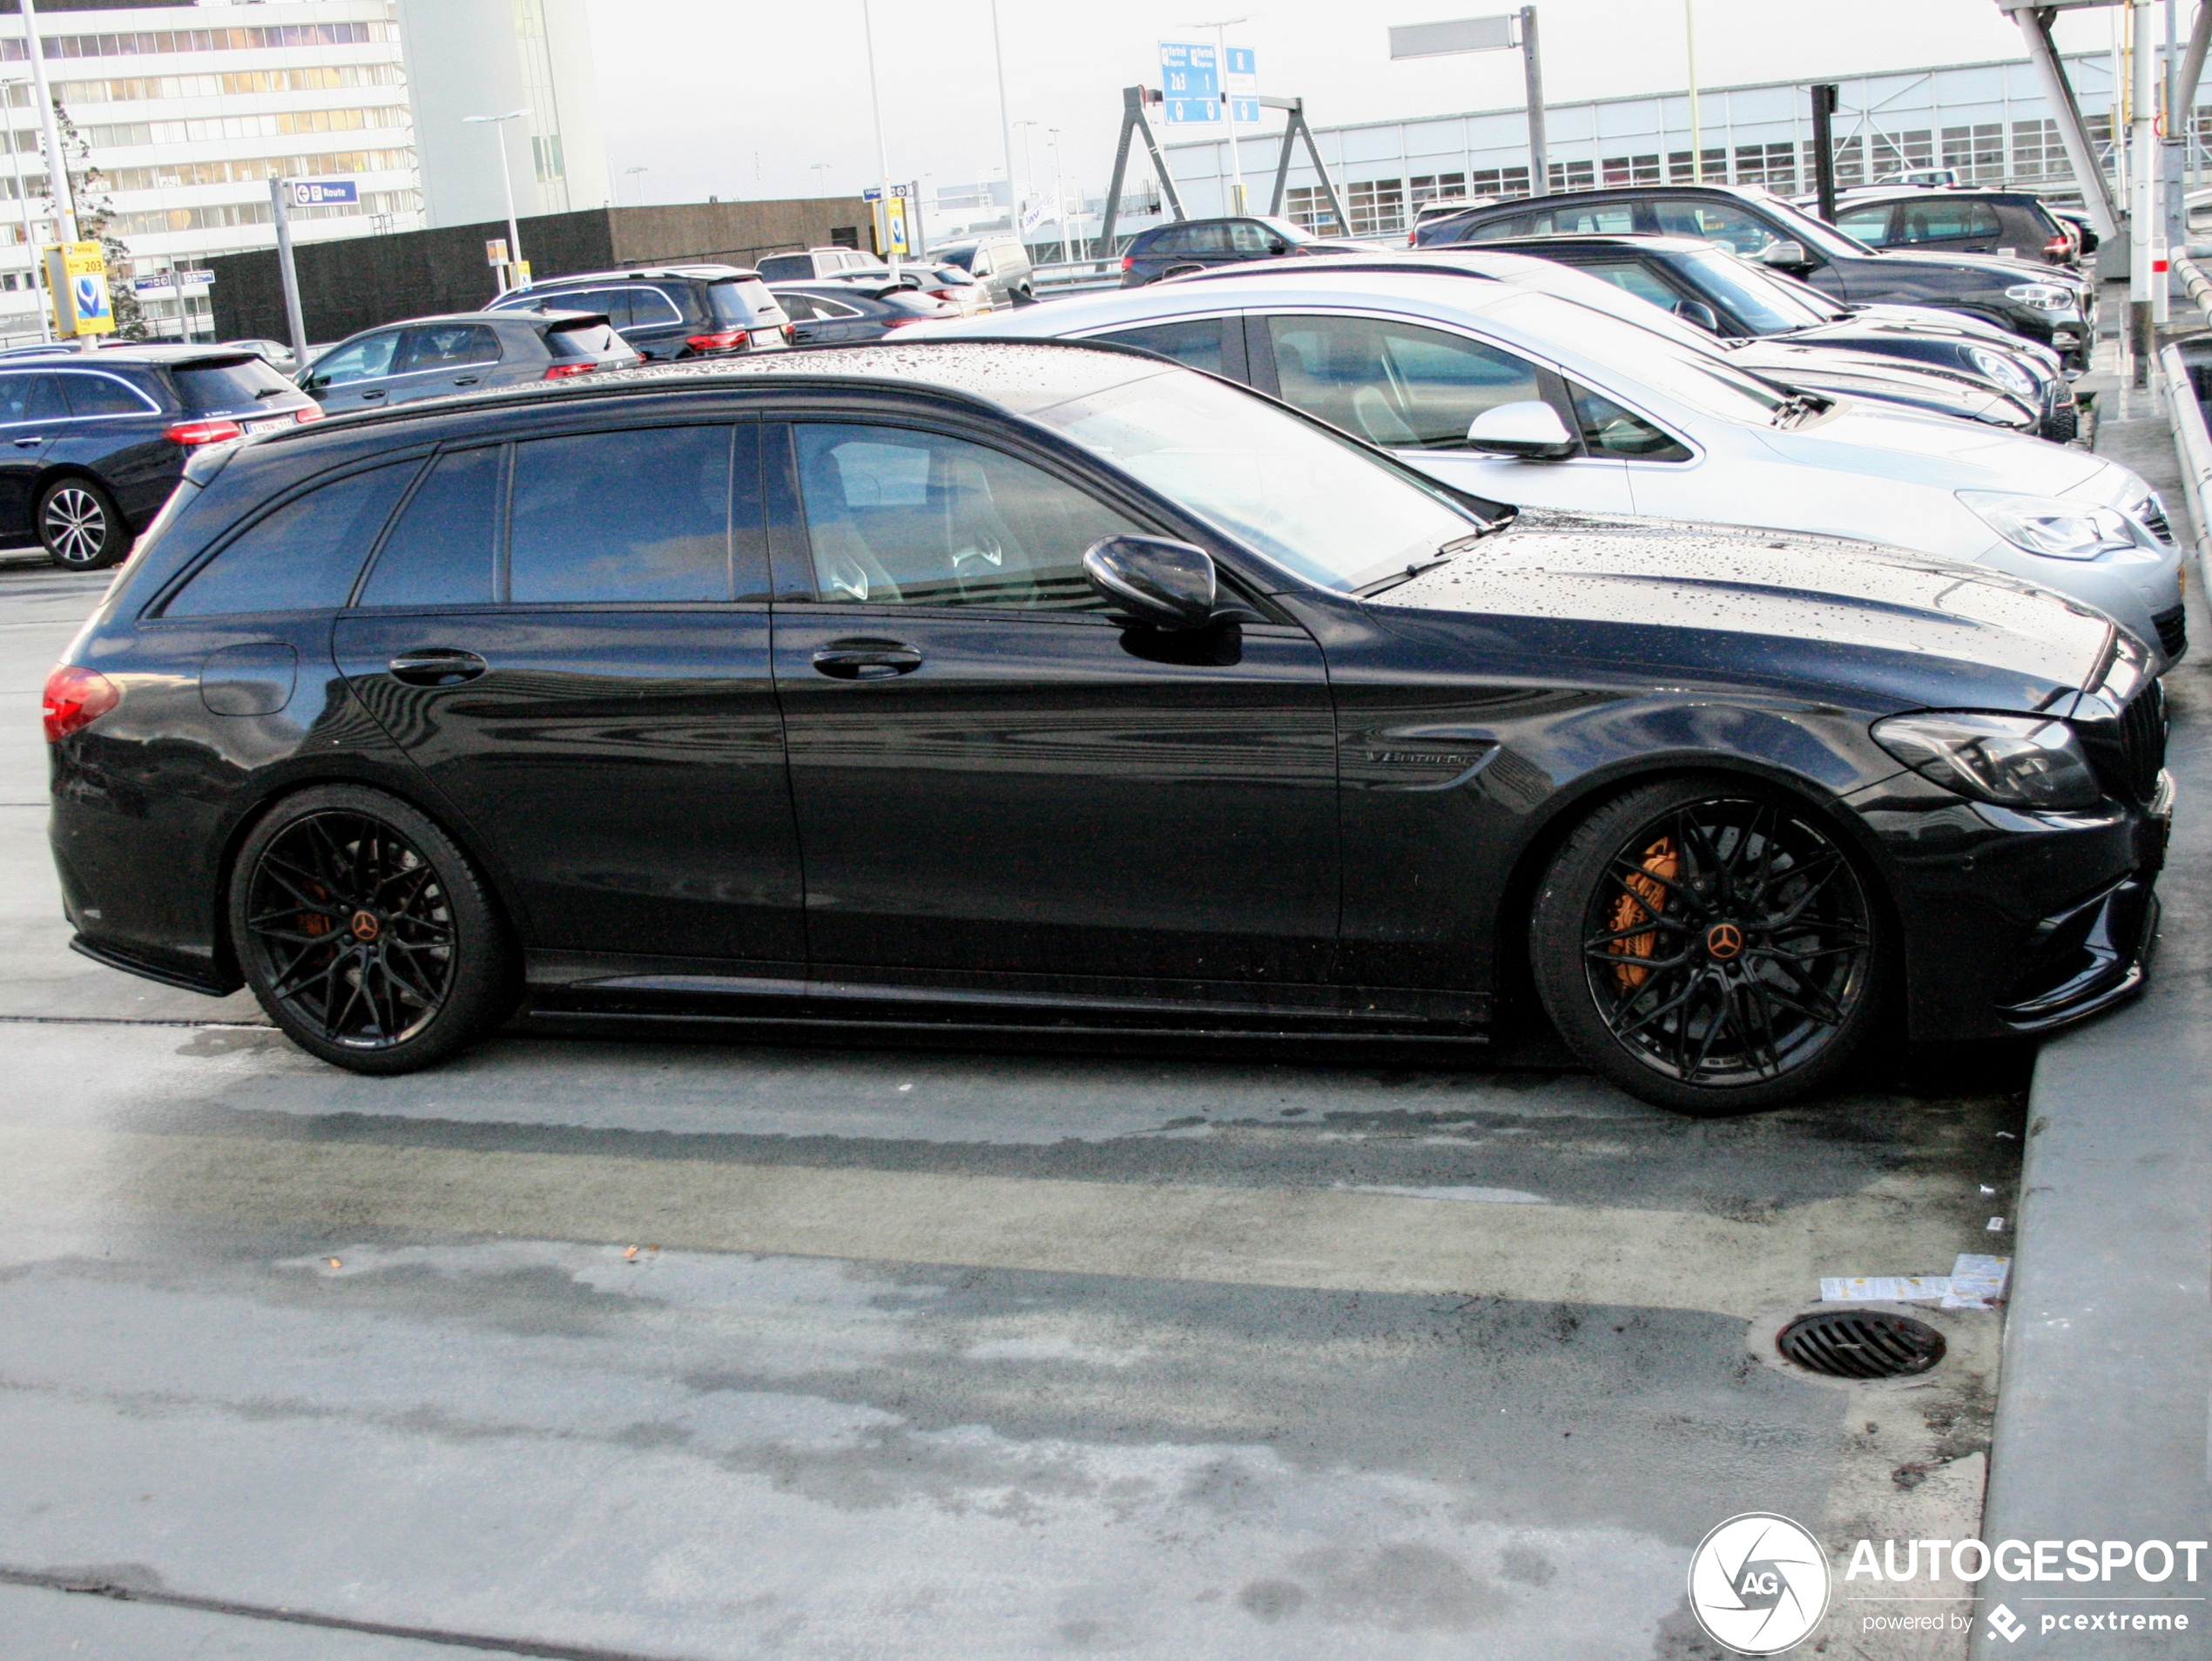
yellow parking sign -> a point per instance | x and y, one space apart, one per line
77 278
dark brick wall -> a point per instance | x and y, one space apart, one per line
358 282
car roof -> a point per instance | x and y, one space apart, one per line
638 273
1868 193
169 355
1633 242
1017 376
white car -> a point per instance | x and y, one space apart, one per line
1523 397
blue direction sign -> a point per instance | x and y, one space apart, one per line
323 192
1242 61
1189 83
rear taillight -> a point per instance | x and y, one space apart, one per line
313 412
1128 262
75 699
207 432
722 340
789 334
562 371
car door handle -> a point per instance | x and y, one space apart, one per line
437 666
31 443
464 380
867 660
377 394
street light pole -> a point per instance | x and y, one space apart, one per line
56 162
1228 107
23 201
1696 132
506 182
1006 129
882 153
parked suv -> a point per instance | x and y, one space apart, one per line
2044 303
815 262
91 446
1000 263
668 312
432 357
1193 245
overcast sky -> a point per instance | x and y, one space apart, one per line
779 107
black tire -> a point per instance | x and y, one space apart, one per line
80 526
365 933
1710 945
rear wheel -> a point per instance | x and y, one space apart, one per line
1709 947
80 526
366 933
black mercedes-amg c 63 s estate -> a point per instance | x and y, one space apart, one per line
1053 686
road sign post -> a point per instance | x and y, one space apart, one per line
77 276
1497 33
280 192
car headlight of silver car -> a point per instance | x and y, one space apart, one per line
2042 296
2017 760
2052 526
2007 372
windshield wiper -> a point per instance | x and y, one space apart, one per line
1798 406
271 392
1415 567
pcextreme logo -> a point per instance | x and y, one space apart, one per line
1758 1583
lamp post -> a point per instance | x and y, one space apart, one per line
1006 129
1220 28
506 181
638 192
1059 196
23 201
57 164
882 154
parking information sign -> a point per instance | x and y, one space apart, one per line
76 277
1189 83
324 193
1194 86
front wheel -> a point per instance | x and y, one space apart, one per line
1709 947
80 526
366 933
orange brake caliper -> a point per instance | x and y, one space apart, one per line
1645 899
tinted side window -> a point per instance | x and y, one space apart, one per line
1174 240
785 268
32 397
649 307
1497 230
1718 222
1196 342
1248 238
614 302
95 395
15 394
628 515
1608 429
448 346
441 551
1617 219
798 308
1632 275
1870 223
1395 384
364 360
901 516
305 555
1941 221
1207 239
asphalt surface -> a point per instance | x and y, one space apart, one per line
959 1353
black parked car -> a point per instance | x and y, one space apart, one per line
1099 692
91 446
1193 245
2015 224
854 310
1739 300
668 311
2045 304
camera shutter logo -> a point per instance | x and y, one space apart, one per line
1758 1583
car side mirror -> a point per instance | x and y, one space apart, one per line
1277 246
1164 585
1530 430
1791 256
1698 312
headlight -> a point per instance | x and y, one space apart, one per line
2053 527
2007 372
2019 760
2043 296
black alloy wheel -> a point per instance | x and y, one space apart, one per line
365 933
80 526
1711 948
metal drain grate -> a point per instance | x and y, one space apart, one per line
1861 1344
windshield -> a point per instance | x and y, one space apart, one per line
1764 305
1631 356
231 384
744 301
1317 504
1287 230
964 258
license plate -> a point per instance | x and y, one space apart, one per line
274 425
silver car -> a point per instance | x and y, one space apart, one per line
1521 397
428 357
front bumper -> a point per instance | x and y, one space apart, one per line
2019 924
